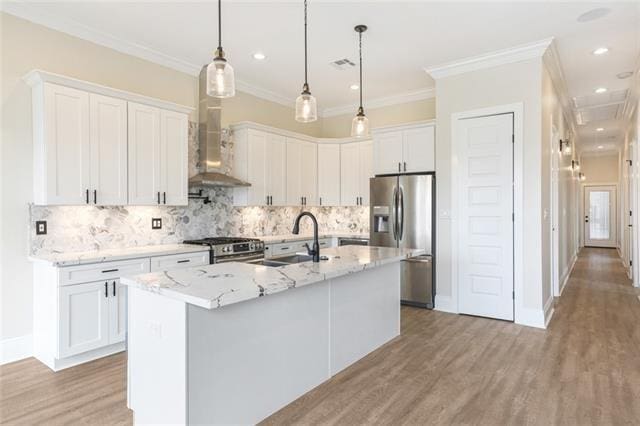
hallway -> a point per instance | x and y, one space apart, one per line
443 369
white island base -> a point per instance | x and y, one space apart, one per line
240 363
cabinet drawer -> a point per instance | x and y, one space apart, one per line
176 261
102 271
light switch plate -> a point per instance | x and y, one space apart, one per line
156 223
41 227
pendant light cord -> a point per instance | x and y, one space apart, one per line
220 25
306 83
360 49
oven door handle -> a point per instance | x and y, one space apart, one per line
239 258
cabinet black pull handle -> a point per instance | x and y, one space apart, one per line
109 270
399 167
114 288
320 200
164 197
95 196
158 197
184 261
405 166
106 289
87 195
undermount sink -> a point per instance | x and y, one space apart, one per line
294 258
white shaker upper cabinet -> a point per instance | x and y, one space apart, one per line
328 174
301 173
388 153
174 173
408 149
144 155
108 148
356 167
418 149
260 159
61 145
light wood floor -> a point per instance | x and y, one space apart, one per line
443 369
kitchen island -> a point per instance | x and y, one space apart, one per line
205 346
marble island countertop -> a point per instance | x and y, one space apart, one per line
98 256
214 286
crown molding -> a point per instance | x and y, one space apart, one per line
402 98
489 60
265 94
250 125
551 59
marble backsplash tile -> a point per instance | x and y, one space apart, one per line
81 228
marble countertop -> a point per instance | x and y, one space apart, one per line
285 238
98 256
214 286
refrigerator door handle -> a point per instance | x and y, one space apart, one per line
400 214
395 213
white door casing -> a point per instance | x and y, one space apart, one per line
600 216
554 150
485 242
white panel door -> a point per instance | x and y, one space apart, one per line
328 174
309 173
257 168
600 216
276 169
174 173
108 141
84 317
117 312
144 154
349 174
66 145
485 227
387 152
418 150
294 172
366 171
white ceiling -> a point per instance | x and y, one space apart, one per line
403 39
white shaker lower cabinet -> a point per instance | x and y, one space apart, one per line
404 149
355 171
178 261
117 312
328 174
84 318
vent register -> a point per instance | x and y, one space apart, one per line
599 107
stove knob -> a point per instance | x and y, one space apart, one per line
252 246
225 249
229 248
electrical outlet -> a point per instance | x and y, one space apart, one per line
41 227
156 223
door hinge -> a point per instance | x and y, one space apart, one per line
513 295
513 217
631 263
513 138
630 212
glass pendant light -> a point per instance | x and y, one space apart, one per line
220 78
360 123
306 108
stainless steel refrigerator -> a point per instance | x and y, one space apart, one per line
402 212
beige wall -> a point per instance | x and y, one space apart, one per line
600 168
26 46
340 125
506 84
555 127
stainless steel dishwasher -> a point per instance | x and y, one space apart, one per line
417 281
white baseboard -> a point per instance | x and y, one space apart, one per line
445 304
549 310
567 274
16 348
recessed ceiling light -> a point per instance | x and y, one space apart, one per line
601 90
624 75
594 14
259 56
600 146
354 87
600 129
600 51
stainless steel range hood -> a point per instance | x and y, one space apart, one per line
210 138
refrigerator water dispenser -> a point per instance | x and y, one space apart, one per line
380 218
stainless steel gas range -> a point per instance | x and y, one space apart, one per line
229 249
